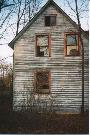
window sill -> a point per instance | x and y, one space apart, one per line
72 55
45 91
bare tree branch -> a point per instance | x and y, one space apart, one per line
5 18
70 6
81 42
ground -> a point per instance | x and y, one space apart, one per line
45 123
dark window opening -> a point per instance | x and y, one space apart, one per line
47 20
72 45
50 20
42 82
39 53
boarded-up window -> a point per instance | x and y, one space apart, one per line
50 20
72 44
42 46
42 82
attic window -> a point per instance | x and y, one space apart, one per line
71 44
42 46
42 82
50 20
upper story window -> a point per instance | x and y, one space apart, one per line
42 46
50 20
42 82
71 44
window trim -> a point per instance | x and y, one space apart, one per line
49 80
49 44
65 43
50 16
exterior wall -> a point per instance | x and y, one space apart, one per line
66 84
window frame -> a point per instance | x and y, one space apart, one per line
55 15
65 43
49 81
49 44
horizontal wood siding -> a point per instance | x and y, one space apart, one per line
66 73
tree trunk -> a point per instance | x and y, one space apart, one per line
82 48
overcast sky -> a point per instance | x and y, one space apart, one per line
6 51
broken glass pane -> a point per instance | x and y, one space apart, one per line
42 45
44 50
72 39
42 40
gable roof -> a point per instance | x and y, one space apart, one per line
50 2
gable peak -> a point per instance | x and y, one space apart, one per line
50 1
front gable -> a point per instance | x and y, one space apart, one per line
28 39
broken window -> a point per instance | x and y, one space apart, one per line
50 20
42 82
72 45
42 46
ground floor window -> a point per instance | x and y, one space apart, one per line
42 79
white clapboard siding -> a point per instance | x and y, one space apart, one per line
66 72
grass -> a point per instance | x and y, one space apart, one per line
40 123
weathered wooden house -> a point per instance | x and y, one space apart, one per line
47 62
